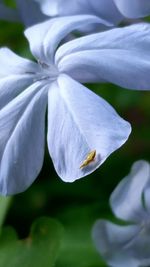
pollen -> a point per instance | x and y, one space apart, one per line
89 158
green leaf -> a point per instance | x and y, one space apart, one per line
78 249
4 205
41 248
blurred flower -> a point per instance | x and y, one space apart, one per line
112 11
104 9
134 8
29 13
128 245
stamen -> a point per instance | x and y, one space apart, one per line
45 72
90 157
43 64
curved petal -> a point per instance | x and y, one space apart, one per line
11 86
17 65
147 197
74 7
134 8
117 244
147 190
30 12
15 75
120 58
9 14
131 38
100 8
124 68
45 37
126 200
22 140
80 122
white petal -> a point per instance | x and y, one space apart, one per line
134 8
124 68
15 75
79 122
120 56
147 197
135 37
116 243
22 140
126 199
147 190
13 64
11 86
45 37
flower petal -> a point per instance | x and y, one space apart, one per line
17 65
30 12
134 37
9 14
120 56
134 8
147 189
15 75
11 86
80 122
45 37
116 243
126 199
22 140
74 7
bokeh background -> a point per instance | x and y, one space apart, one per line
77 205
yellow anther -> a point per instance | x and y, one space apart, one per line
90 157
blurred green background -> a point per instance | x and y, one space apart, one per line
76 206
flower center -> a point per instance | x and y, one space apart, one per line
45 72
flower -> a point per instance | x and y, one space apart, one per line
29 13
104 9
128 245
79 122
113 11
134 8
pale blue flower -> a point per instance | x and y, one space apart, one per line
133 8
79 121
105 9
113 11
29 13
128 245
